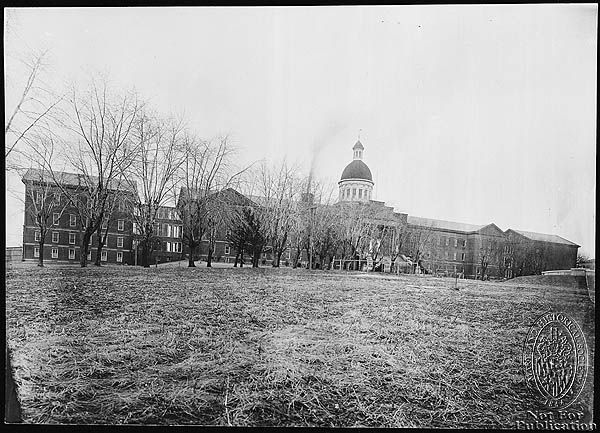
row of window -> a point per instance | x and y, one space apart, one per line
449 256
72 238
173 247
54 254
55 198
361 191
463 242
73 221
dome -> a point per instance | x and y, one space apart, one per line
357 170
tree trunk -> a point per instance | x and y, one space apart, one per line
191 263
146 251
146 254
84 249
277 261
237 255
99 252
209 255
41 258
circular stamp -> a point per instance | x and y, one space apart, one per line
555 359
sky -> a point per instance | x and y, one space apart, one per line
467 113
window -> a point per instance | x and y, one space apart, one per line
353 192
55 219
455 242
55 253
440 241
264 255
227 233
359 193
289 254
447 254
55 237
56 198
227 250
121 225
104 224
72 238
462 256
135 228
103 256
89 256
38 236
72 220
465 243
454 255
119 256
447 241
71 253
38 197
168 247
36 251
119 242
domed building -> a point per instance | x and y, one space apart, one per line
356 183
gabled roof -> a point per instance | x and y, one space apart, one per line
543 237
72 179
229 195
444 225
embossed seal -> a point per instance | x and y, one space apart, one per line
555 359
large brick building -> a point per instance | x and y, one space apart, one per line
450 248
64 229
422 244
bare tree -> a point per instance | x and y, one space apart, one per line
100 152
419 238
399 238
207 168
34 106
279 191
42 203
159 157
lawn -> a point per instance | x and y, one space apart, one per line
275 347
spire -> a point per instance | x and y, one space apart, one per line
358 148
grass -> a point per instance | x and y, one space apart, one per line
269 347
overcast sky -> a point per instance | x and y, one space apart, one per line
475 114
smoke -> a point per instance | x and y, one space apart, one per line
323 139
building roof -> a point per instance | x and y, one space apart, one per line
543 237
358 145
357 170
72 179
228 195
445 225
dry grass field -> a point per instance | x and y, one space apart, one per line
275 347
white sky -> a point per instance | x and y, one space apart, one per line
468 113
